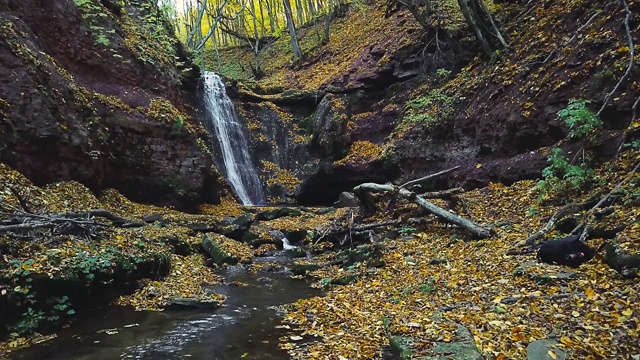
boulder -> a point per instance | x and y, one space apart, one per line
235 228
346 199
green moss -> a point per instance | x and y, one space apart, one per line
434 107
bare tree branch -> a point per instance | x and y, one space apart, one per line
480 232
627 73
428 177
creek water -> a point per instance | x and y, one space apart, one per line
231 136
244 328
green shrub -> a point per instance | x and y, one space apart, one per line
443 74
178 124
581 120
564 179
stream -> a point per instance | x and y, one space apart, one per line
244 328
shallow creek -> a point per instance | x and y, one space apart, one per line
244 328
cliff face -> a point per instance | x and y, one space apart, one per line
394 102
94 91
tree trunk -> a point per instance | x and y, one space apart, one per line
299 11
327 23
297 53
262 27
483 26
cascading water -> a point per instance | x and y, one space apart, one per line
230 134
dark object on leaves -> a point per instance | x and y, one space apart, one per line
569 251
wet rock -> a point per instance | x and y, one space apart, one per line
296 252
191 303
280 150
346 199
303 269
278 213
541 349
295 236
330 126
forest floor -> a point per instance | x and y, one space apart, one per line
436 278
433 276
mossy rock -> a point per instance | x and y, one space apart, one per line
464 348
401 347
215 251
345 280
540 350
303 269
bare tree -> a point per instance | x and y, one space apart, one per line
297 53
483 26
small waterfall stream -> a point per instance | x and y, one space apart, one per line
230 134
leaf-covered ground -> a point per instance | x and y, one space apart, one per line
435 277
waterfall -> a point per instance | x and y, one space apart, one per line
230 134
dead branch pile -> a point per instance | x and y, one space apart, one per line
82 224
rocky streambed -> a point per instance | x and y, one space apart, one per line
201 282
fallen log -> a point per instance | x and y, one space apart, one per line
363 192
564 211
